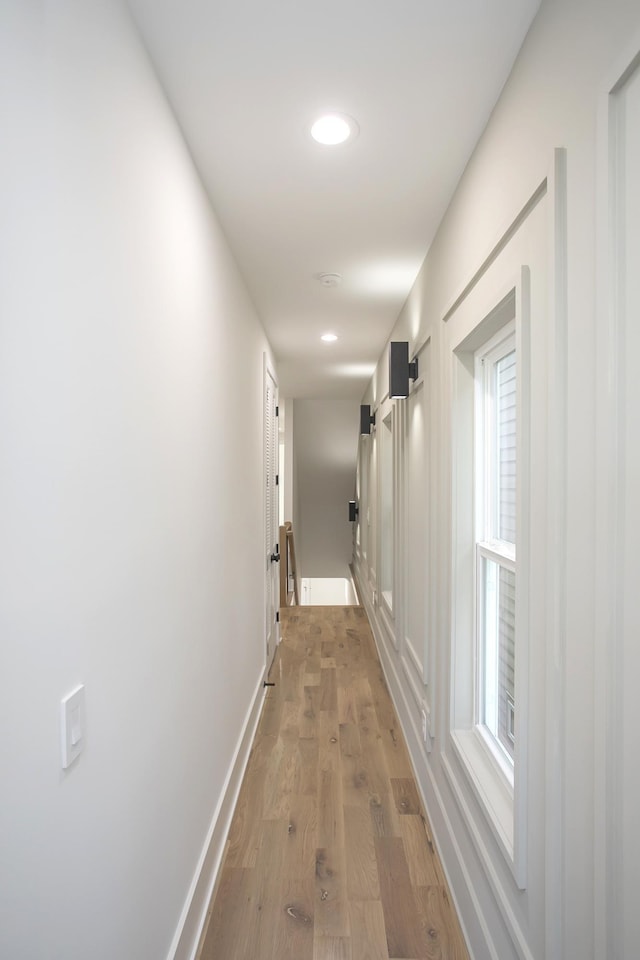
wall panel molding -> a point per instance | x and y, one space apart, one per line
617 785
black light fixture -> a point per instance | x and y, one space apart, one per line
400 370
367 419
353 511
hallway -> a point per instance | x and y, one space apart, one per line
329 855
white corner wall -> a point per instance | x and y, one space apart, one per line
548 133
131 498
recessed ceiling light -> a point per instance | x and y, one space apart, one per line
333 128
328 337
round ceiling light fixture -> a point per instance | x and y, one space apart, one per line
329 337
333 128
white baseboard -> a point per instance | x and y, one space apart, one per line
194 914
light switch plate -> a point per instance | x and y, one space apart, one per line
72 724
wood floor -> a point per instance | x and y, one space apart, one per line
329 855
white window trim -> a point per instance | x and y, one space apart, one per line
501 793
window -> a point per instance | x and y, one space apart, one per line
495 540
386 511
363 496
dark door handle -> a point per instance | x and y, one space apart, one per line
275 556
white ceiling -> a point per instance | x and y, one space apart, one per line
246 78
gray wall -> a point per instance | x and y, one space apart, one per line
325 443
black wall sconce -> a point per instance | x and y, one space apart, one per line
367 419
353 511
400 370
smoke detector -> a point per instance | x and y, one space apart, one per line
329 279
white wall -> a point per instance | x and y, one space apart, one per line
131 499
553 99
325 445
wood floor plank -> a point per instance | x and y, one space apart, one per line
287 924
308 753
332 948
274 801
384 816
406 936
350 743
244 835
310 708
328 689
330 816
424 868
270 719
288 688
290 719
395 752
347 708
375 764
299 854
368 934
281 780
355 782
269 859
312 658
406 796
332 918
443 935
331 904
328 740
260 755
362 866
234 924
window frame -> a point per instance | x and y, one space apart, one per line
499 788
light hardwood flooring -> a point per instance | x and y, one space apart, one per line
329 855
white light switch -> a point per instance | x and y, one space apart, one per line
72 725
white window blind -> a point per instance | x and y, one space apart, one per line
506 436
496 546
506 412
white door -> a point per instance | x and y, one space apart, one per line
272 527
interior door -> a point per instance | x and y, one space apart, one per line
272 527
